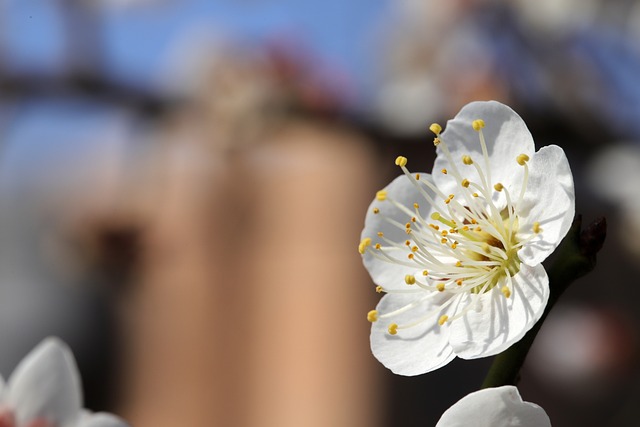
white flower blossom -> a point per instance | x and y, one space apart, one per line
458 251
494 407
44 391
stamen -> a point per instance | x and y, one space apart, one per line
362 247
393 329
467 160
443 319
379 289
435 128
505 291
381 195
536 227
522 159
376 210
498 187
372 316
477 125
401 161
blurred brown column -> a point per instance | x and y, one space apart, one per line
251 305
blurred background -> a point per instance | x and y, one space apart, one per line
183 185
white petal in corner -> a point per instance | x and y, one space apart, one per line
101 419
387 274
494 407
549 200
46 384
416 350
505 133
501 321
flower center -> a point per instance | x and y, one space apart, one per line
470 242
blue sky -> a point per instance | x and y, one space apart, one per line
138 39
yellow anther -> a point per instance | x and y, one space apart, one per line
407 225
444 232
444 171
440 287
401 161
376 211
486 248
393 329
443 319
435 128
454 245
467 160
477 124
465 228
417 177
372 316
459 282
465 183
443 240
407 242
536 227
409 279
478 229
436 141
447 201
453 230
417 206
505 291
435 216
498 187
474 221
522 159
413 219
458 263
379 289
410 256
425 272
475 194
381 195
378 246
362 247
434 226
414 249
408 231
451 196
380 234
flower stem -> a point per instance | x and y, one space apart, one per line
576 256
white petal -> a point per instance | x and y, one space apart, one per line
101 419
549 200
416 350
46 384
501 321
388 274
494 407
506 136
